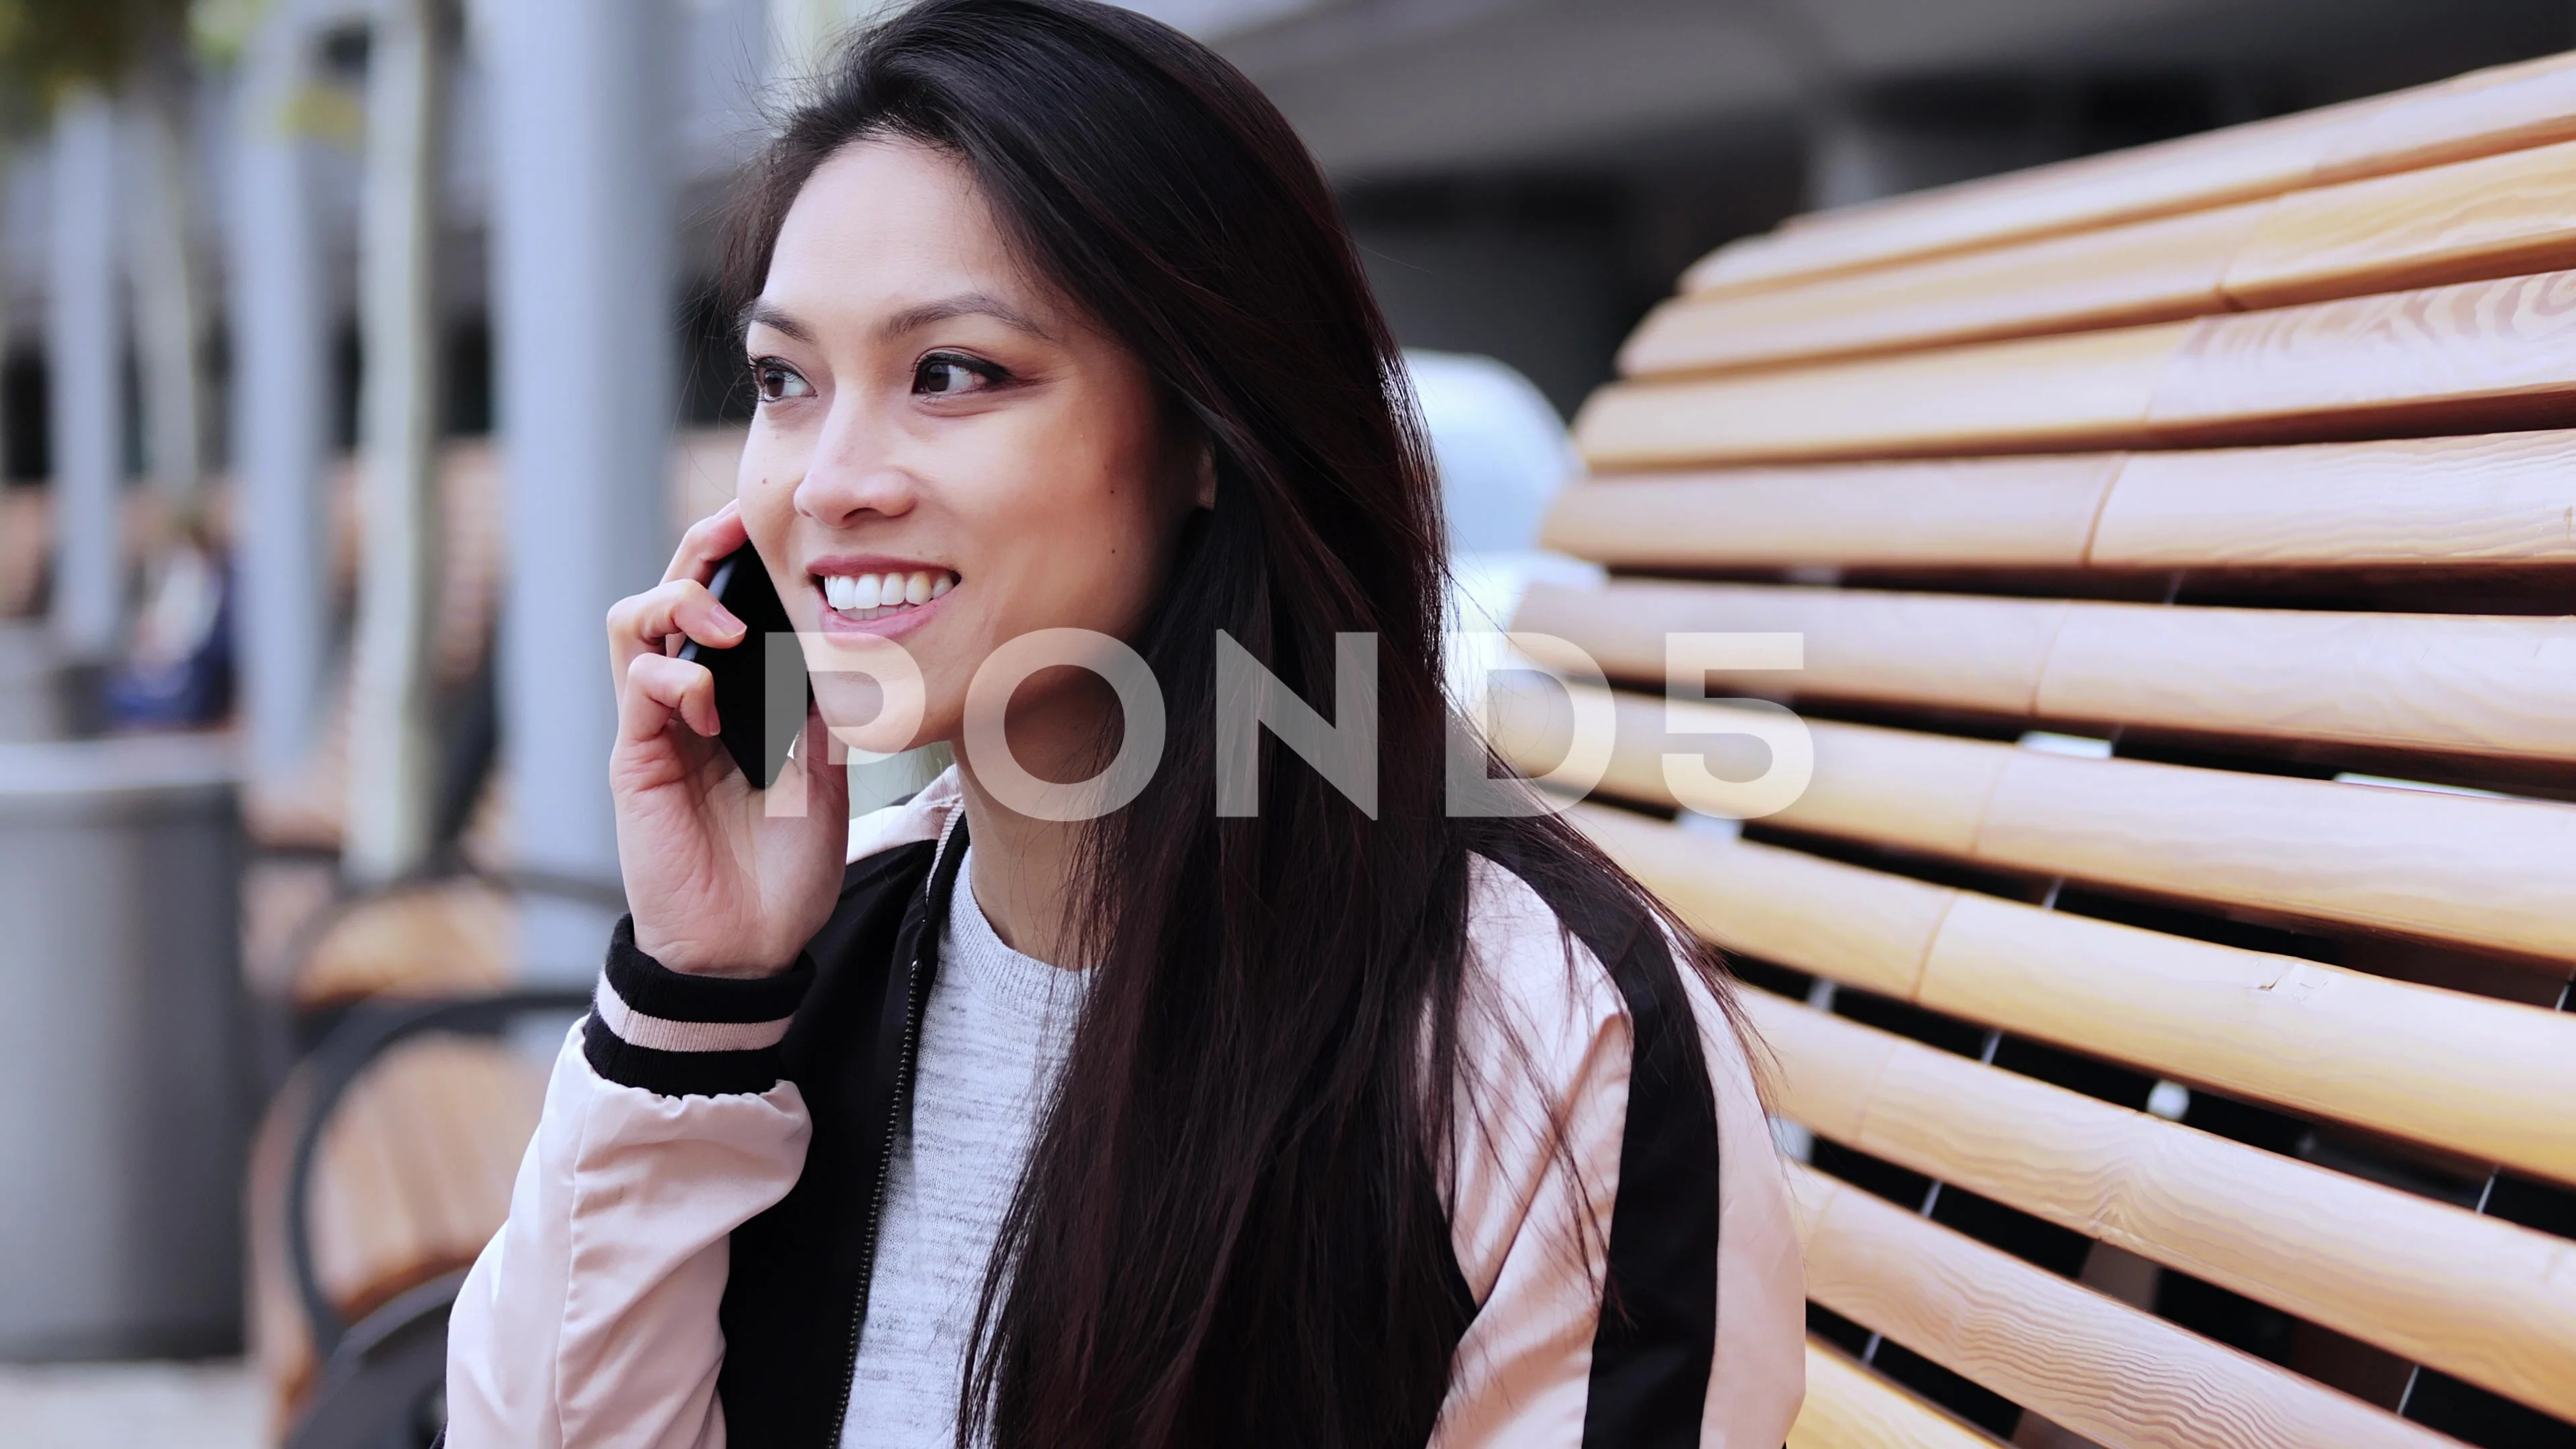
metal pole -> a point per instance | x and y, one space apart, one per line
586 333
86 337
393 743
166 298
281 408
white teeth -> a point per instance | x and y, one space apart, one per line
873 596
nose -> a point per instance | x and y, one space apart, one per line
854 471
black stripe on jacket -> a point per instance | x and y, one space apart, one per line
1654 1348
652 989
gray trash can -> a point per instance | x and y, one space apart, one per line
121 1049
31 685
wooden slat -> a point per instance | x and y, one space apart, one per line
1848 1407
2480 872
2149 271
1862 927
2489 499
2483 113
2492 217
1961 650
2501 687
2476 356
26 538
2496 686
1994 512
2214 168
2496 216
2440 1067
2121 1377
1895 787
454 937
2473 1296
2473 357
2090 389
2501 499
2494 499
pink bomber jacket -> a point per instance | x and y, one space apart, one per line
674 1123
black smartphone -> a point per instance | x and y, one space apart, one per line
762 690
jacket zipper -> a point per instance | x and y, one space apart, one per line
916 1001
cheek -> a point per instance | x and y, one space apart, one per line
1090 525
1067 535
766 488
1086 558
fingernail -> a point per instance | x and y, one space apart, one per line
725 621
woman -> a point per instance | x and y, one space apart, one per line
1323 1118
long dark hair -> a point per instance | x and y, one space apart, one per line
1230 1229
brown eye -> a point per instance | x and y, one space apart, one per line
947 374
778 382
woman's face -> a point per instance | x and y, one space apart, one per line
946 453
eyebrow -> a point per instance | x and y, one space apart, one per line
765 313
965 304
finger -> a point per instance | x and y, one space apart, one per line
707 543
659 690
638 624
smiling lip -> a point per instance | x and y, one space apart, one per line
873 577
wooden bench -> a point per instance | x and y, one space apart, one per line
386 1158
387 1154
384 1165
2166 967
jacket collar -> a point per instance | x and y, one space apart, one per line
926 816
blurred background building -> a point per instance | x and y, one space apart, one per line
355 354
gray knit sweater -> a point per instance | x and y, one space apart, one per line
993 1040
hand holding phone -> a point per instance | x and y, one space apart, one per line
731 851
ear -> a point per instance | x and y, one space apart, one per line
1207 474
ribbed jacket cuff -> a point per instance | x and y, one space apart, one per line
681 1035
